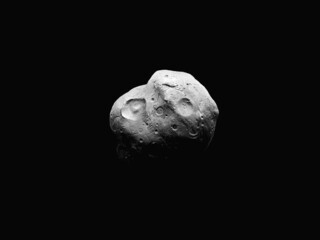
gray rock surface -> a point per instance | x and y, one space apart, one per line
173 114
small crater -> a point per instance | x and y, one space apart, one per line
159 111
152 99
174 127
156 131
193 132
140 140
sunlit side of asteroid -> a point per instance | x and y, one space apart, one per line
169 118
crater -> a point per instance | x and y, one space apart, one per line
114 124
159 111
174 127
185 107
133 109
193 132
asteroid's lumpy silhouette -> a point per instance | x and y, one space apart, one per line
172 115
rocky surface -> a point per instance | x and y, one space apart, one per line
172 115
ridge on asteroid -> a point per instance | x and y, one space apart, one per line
172 115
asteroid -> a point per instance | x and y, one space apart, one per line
173 115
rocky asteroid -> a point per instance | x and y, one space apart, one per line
171 116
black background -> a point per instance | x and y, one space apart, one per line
88 64
92 66
82 62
